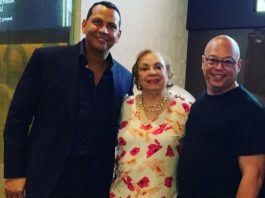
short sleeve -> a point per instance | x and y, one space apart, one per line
250 132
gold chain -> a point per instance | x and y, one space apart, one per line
152 108
149 108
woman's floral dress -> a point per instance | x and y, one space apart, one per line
148 153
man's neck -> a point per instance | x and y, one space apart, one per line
221 91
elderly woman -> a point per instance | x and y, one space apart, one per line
151 126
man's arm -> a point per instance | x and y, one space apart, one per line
15 187
252 169
19 118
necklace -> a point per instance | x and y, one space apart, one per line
152 109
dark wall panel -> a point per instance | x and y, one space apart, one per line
223 14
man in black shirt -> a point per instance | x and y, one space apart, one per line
60 132
224 145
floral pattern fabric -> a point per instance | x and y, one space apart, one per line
148 153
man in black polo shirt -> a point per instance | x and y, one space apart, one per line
224 145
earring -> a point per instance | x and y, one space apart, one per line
169 83
139 86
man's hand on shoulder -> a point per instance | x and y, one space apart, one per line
15 187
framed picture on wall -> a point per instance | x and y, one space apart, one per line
27 21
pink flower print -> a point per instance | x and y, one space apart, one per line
172 103
144 182
131 101
123 124
122 141
186 107
146 126
153 148
169 152
128 182
161 129
121 155
111 195
169 127
168 182
134 151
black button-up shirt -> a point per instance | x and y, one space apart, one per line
94 110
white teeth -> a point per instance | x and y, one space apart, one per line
101 38
153 81
218 75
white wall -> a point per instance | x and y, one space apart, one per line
155 24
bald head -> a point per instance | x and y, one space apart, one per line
221 64
221 43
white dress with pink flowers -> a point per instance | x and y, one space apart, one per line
148 153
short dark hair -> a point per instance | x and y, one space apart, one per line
106 4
